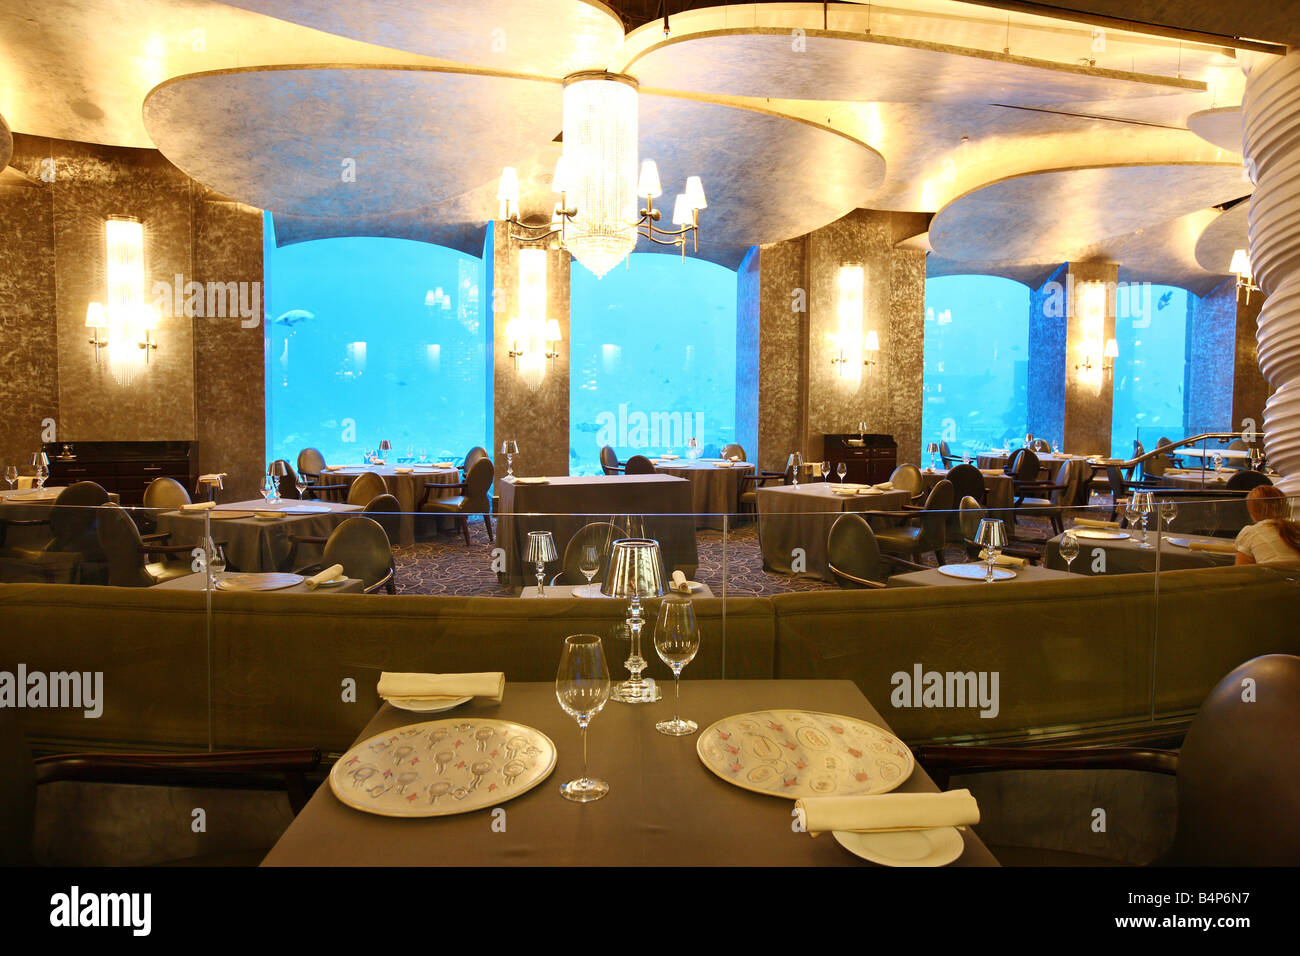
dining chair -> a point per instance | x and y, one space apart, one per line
311 465
161 494
601 535
72 549
1237 444
1245 480
968 481
1121 488
472 498
854 556
1041 446
1047 499
128 552
287 484
924 529
1174 460
907 478
946 455
748 483
1235 773
639 465
734 451
969 515
387 510
368 486
471 456
361 546
609 462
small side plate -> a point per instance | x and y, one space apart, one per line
428 706
937 847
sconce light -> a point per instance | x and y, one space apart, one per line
129 324
534 340
848 339
1091 301
1109 354
871 351
96 319
1240 267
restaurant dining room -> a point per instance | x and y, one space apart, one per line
649 434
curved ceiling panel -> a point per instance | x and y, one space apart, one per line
1221 126
1061 214
551 38
866 68
1223 236
766 178
349 142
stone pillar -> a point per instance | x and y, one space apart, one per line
535 417
1070 386
1225 389
1271 114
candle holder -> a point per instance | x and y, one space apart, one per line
635 572
541 549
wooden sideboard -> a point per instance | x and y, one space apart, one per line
869 458
125 467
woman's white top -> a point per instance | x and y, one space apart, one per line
1263 543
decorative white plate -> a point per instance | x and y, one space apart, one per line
1100 534
33 496
800 753
441 767
431 705
271 581
976 572
936 847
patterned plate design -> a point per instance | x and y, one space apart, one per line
801 753
257 581
441 767
975 572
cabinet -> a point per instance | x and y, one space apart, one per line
870 459
123 467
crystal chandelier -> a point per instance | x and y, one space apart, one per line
597 219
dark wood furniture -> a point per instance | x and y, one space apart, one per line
870 458
124 467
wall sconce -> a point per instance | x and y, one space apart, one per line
848 339
96 319
128 323
871 351
1090 306
1108 355
534 340
1240 267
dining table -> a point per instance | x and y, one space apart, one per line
794 521
715 485
1123 556
199 582
932 577
664 807
649 506
406 483
259 544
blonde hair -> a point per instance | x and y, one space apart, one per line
1268 504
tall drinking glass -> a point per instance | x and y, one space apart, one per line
1133 514
582 688
1168 511
1069 548
589 561
1146 505
11 475
677 641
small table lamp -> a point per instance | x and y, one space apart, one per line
992 537
510 449
934 450
541 549
385 446
635 572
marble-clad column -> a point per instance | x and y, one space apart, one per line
1225 390
535 417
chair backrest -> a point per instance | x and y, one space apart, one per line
119 539
946 455
1067 479
735 451
1115 478
967 482
74 517
935 519
851 547
1041 444
1163 442
1245 480
599 534
288 482
609 463
165 494
970 513
478 479
387 510
1239 771
310 462
473 455
368 485
907 478
639 465
1023 466
361 546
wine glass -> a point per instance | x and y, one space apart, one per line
1168 511
826 471
589 561
582 688
1218 462
271 489
300 483
424 455
1069 548
677 641
11 475
841 469
1133 514
991 535
215 556
1146 505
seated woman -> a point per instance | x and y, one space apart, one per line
1273 537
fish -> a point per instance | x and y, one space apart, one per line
294 316
1164 300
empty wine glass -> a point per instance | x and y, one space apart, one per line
1069 548
271 489
11 475
841 469
589 561
582 688
1146 505
677 641
1168 511
826 471
1133 514
300 483
1218 462
215 558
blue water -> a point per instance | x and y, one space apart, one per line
1149 372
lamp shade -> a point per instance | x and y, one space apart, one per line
96 316
277 468
992 533
1112 349
541 547
695 192
648 185
873 342
385 445
1240 264
510 447
635 569
561 179
508 191
681 211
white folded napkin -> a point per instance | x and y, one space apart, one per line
333 572
1095 523
679 583
1004 560
26 481
884 486
199 506
212 479
670 457
1218 547
889 811
403 471
444 464
733 458
335 467
530 481
991 472
400 686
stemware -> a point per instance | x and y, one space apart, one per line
1168 511
300 483
1133 515
677 641
1218 462
582 688
1069 548
1146 505
826 471
841 469
215 559
510 449
991 535
11 475
271 489
541 549
589 561
635 572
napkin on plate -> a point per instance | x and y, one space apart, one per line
680 584
1218 547
403 471
397 686
444 464
331 573
889 811
1004 560
530 481
884 486
199 506
335 467
1095 523
670 457
733 458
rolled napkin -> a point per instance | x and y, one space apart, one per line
670 457
332 573
992 472
199 506
1004 560
734 458
403 471
444 464
1218 547
889 811
397 686
1096 523
680 584
885 486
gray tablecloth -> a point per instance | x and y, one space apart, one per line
1081 470
656 506
1125 557
715 488
254 544
664 808
407 489
933 578
198 582
999 487
1189 478
800 516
